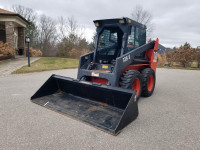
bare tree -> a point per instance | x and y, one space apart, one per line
72 25
47 36
68 27
143 16
30 15
92 43
71 36
62 28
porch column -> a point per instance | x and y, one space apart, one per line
21 40
9 26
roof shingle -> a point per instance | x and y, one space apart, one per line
3 11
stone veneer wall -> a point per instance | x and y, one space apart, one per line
21 39
9 27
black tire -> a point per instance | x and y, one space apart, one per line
127 79
148 87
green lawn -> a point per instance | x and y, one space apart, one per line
49 63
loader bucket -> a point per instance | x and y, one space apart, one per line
105 107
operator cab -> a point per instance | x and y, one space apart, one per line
116 37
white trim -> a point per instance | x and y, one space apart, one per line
15 19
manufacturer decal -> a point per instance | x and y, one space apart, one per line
126 58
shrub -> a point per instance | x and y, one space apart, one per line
74 53
162 59
6 50
33 52
182 56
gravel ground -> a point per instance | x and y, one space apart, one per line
168 120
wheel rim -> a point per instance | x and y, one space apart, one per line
136 86
150 82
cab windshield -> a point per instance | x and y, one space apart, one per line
109 44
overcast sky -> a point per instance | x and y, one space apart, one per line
175 21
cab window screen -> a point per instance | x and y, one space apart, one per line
106 40
136 38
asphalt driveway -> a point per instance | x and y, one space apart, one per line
170 119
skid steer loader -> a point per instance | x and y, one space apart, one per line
110 79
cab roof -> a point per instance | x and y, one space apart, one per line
123 20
